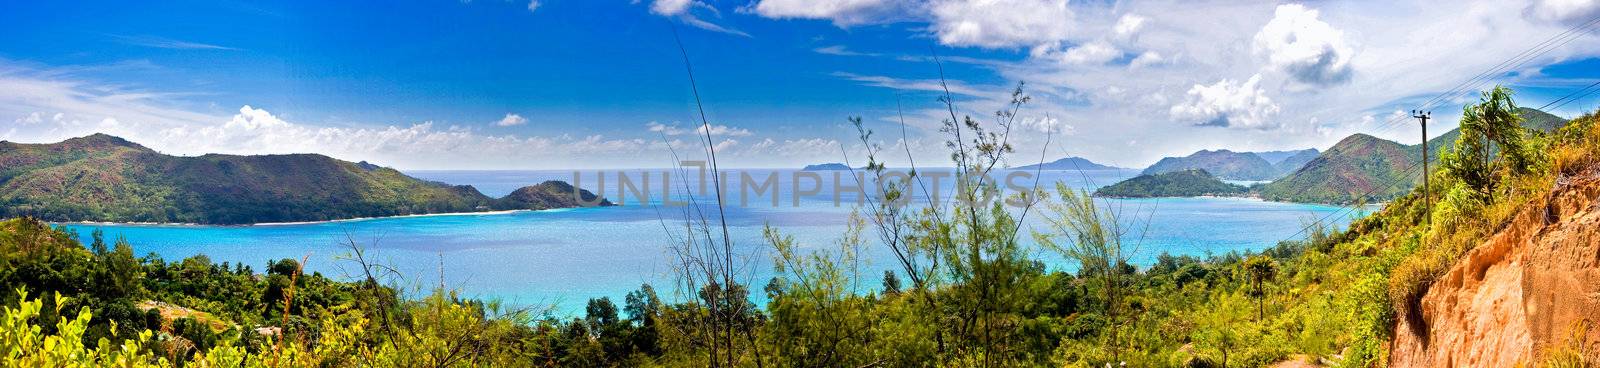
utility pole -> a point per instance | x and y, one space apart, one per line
1427 195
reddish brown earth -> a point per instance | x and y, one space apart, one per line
1529 287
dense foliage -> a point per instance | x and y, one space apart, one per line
105 178
1186 183
963 290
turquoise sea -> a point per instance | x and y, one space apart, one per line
563 257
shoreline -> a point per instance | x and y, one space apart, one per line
296 223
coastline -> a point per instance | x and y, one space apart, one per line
296 223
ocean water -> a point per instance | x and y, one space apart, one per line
561 258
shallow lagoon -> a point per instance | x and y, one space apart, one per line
563 257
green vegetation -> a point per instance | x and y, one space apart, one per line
964 291
105 178
1222 163
1186 183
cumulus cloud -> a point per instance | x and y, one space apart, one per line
1001 23
1228 103
843 13
533 5
511 120
1308 49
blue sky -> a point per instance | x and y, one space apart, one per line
493 84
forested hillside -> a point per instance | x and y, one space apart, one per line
105 178
1186 183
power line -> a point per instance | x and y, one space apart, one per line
1569 95
1525 56
1409 170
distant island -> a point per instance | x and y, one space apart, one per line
1185 183
1069 163
826 167
102 178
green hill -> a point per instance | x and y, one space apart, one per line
1356 165
1222 163
1186 183
1363 163
105 178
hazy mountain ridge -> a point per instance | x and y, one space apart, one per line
105 178
1068 163
1223 164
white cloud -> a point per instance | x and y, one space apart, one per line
842 13
672 7
1048 125
1308 49
533 5
840 50
699 130
1227 103
1001 23
167 43
511 120
33 118
1567 11
1145 59
1129 25
1097 52
683 10
956 87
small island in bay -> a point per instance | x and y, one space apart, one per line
826 167
1183 183
102 178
